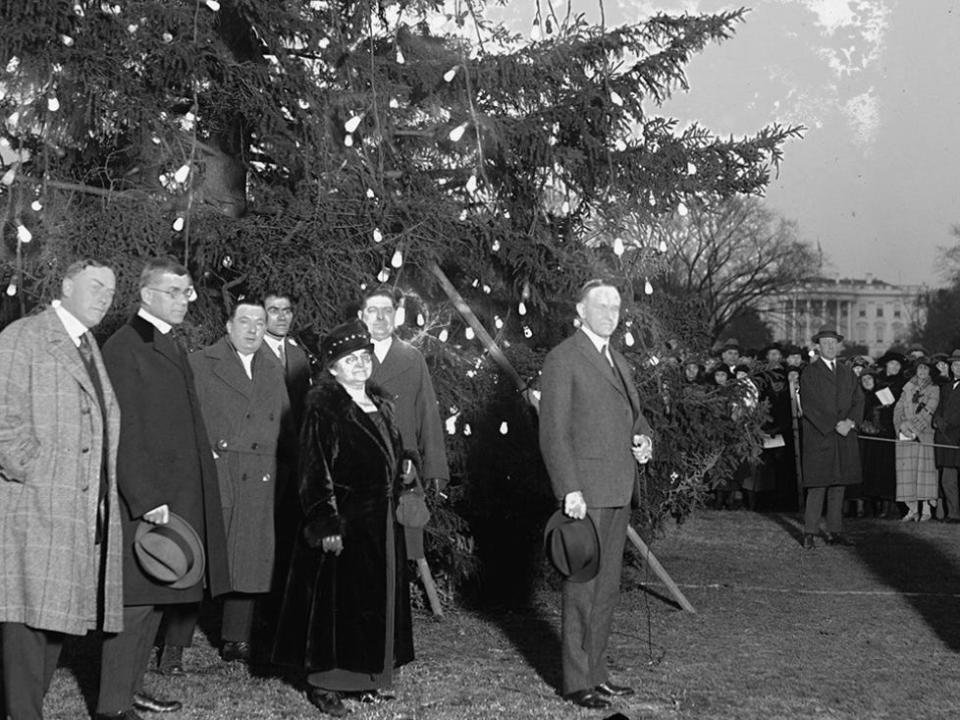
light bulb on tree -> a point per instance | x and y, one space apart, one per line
647 288
615 98
400 316
377 235
23 234
682 210
618 247
468 333
504 428
444 334
36 206
458 132
450 74
397 260
178 224
384 275
353 123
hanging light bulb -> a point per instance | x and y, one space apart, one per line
377 235
23 234
348 140
527 332
621 145
647 288
397 260
400 317
458 132
618 246
213 5
628 338
442 337
615 98
36 206
227 261
472 184
525 292
182 173
400 58
451 424
384 275
498 322
167 37
66 40
662 247
691 169
467 430
450 74
682 210
353 123
371 194
12 287
178 224
53 104
463 215
475 283
421 321
522 308
468 333
504 428
565 207
495 246
535 34
486 289
394 103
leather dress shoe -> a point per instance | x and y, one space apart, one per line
608 689
839 539
233 650
327 702
808 542
589 699
171 661
142 701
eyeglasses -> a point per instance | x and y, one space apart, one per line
189 293
361 359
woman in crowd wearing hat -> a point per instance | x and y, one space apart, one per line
881 481
345 615
912 417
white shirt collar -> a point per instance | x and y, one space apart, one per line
247 361
273 343
71 324
598 342
382 347
162 325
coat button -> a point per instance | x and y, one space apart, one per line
221 444
266 478
254 446
85 450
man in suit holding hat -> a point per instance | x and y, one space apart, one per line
832 406
164 467
592 437
60 555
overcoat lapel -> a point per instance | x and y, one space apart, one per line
62 347
392 365
229 368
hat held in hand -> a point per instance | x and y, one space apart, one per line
170 554
573 546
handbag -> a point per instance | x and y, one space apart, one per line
412 508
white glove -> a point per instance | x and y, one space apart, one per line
574 505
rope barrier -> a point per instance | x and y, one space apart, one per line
894 440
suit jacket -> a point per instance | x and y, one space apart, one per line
243 417
827 398
164 456
405 378
946 420
51 458
588 417
297 377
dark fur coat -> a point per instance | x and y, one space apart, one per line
334 607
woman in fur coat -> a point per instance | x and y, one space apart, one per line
345 616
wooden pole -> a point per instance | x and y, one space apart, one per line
650 559
426 577
497 354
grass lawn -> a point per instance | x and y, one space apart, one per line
870 631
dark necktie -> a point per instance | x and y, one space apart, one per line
283 353
86 354
608 360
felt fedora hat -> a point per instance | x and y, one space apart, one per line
573 546
827 331
170 554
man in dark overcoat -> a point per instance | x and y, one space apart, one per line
164 465
60 557
592 437
400 369
946 421
832 406
243 399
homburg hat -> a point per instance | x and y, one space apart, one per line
170 554
827 331
573 546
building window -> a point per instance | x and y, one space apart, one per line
863 312
896 313
879 312
879 327
862 328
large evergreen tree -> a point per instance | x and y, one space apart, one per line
320 146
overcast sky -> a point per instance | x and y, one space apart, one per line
876 179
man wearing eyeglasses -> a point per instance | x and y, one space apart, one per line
164 465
